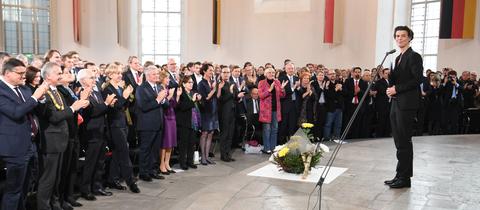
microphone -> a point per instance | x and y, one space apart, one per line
391 51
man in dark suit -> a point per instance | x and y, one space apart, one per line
382 105
196 76
453 102
240 109
93 135
226 102
134 77
252 104
355 87
150 103
17 131
289 104
405 92
54 125
173 72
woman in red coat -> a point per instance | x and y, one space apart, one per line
270 90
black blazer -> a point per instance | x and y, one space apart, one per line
349 87
116 117
54 126
226 102
149 111
173 82
15 128
288 89
252 118
204 89
381 99
406 77
72 122
183 110
130 79
94 116
334 99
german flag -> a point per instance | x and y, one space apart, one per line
457 19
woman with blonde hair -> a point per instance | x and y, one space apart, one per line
120 166
170 125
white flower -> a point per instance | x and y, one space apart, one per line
324 148
272 159
278 148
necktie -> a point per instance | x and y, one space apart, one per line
155 88
400 59
33 123
355 98
454 92
97 99
255 109
292 86
137 77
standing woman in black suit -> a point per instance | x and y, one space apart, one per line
188 122
121 166
405 93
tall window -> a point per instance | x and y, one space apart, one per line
26 26
425 21
161 30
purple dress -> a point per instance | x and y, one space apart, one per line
169 126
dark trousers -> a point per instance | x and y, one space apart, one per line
288 126
148 142
402 123
187 138
240 130
48 185
383 123
69 169
367 121
355 129
93 168
452 111
226 135
120 166
319 123
16 183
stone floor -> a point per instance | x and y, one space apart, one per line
446 171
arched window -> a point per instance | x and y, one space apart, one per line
25 26
161 23
425 22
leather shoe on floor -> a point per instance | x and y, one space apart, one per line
401 183
134 188
389 182
102 192
73 202
225 159
67 206
192 166
157 176
116 185
145 178
171 171
88 196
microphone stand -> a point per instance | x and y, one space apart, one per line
329 164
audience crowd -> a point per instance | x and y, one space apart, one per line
71 128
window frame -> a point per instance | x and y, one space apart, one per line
19 31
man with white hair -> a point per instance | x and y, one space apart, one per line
55 130
172 70
93 132
151 100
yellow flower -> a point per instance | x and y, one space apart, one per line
283 152
307 125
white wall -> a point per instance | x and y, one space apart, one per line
272 37
98 38
462 54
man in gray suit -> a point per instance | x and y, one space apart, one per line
55 131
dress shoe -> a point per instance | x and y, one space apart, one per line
73 202
184 167
116 185
401 183
225 159
134 188
88 196
210 154
157 176
102 192
210 162
231 159
389 182
171 171
165 172
67 206
145 178
192 166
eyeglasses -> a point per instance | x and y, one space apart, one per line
225 72
20 73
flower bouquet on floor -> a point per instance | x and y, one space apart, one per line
299 154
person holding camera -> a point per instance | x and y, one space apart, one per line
453 102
